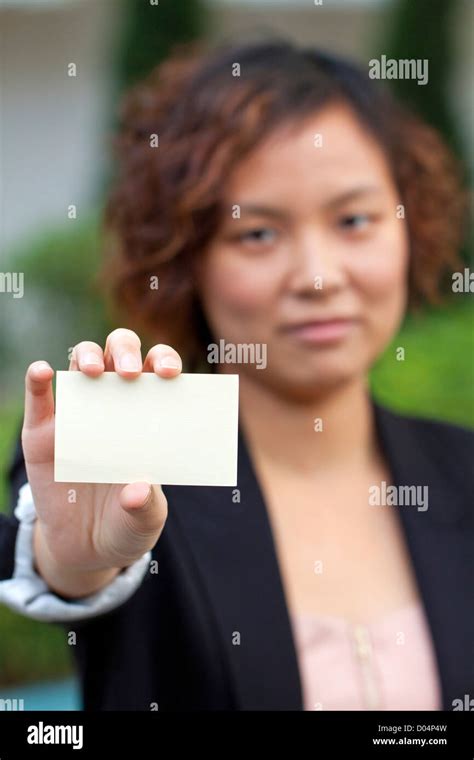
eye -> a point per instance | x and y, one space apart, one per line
258 235
355 222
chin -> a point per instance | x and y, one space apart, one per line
307 383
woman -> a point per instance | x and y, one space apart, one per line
280 199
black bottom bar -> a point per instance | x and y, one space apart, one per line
138 734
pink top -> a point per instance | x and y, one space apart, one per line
386 665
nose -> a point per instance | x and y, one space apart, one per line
315 264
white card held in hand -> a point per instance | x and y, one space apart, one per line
180 431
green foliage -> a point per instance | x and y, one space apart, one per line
63 301
151 31
63 265
425 29
436 379
10 422
31 650
422 29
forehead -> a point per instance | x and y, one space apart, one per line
328 152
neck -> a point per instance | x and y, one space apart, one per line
289 435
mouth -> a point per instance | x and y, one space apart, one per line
321 331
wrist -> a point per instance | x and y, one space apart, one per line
63 579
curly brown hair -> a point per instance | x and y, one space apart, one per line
192 120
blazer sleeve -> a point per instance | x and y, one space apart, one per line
23 590
9 523
8 534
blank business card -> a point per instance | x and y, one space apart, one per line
176 431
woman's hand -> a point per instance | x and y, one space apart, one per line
81 546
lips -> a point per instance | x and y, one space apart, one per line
321 331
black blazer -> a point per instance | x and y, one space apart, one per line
172 642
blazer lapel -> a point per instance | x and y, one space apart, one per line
439 541
228 528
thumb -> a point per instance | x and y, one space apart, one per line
145 506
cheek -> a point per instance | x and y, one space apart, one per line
381 274
239 287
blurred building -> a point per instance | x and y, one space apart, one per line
52 124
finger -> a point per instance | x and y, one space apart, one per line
122 353
87 357
39 399
163 360
145 505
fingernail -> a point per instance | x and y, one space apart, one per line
129 363
169 362
92 359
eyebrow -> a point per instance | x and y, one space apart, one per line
356 192
256 209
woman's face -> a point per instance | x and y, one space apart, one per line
315 268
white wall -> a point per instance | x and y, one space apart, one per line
52 141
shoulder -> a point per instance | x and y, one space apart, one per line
439 432
450 447
432 428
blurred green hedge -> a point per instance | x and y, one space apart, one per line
152 30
